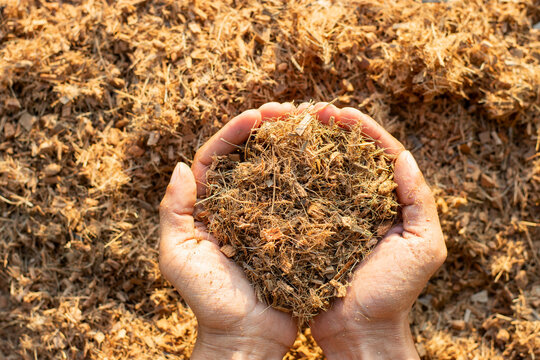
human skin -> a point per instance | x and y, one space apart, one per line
369 322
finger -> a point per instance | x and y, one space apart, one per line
350 116
396 229
419 211
325 112
176 208
303 107
235 132
274 111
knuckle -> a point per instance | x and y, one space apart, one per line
252 112
351 109
268 104
321 104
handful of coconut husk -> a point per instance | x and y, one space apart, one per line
298 207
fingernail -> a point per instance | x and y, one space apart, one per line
411 162
176 173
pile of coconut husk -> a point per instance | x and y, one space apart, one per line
100 99
299 206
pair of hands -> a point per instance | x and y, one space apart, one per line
371 321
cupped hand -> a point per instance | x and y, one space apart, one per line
232 323
371 321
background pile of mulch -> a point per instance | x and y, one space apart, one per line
99 100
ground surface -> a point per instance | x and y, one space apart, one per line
99 100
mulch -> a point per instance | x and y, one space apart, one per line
100 99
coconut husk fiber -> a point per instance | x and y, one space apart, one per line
298 207
112 94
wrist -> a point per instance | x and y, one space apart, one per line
384 340
211 345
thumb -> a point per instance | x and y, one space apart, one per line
418 205
176 208
213 286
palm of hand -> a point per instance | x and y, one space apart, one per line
382 291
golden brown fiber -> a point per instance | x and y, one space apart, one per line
298 207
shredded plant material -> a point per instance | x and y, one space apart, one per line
100 99
299 207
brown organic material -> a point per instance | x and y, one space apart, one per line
457 81
301 206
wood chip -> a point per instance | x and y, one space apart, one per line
27 121
487 181
299 130
52 169
12 104
228 250
9 130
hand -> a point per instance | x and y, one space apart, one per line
232 323
371 321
